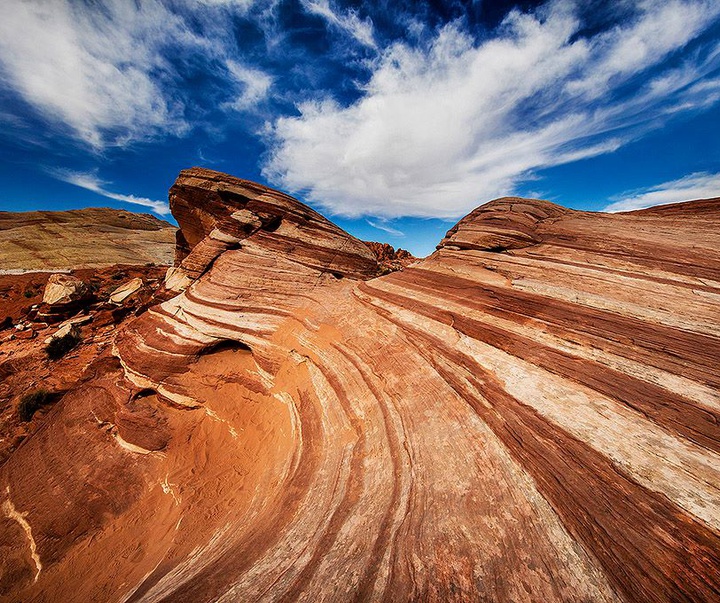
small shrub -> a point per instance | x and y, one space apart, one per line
60 346
28 293
31 402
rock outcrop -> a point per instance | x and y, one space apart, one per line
119 295
25 333
84 238
389 258
217 213
64 290
529 414
503 224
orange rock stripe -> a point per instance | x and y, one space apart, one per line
692 354
678 415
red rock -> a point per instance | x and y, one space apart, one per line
217 212
389 259
24 364
507 223
529 414
385 252
104 318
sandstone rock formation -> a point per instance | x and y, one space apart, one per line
64 290
217 213
25 366
125 290
530 414
389 258
85 238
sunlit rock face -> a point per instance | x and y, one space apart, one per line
529 414
217 213
82 238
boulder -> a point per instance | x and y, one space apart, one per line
67 329
77 321
64 289
125 290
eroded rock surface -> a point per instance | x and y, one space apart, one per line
389 258
25 366
529 414
83 238
217 212
64 290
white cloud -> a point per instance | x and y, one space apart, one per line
90 69
443 128
91 182
242 5
349 22
700 185
626 50
105 70
382 225
254 85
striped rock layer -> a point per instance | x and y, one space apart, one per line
82 238
529 414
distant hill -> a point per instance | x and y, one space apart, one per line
84 238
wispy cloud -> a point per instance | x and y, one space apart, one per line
110 72
90 69
442 127
91 182
382 225
347 21
429 125
700 185
242 5
254 85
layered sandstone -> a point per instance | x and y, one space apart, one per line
84 238
217 213
529 414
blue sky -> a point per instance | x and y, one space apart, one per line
394 118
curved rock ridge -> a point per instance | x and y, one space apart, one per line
533 423
217 212
507 223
